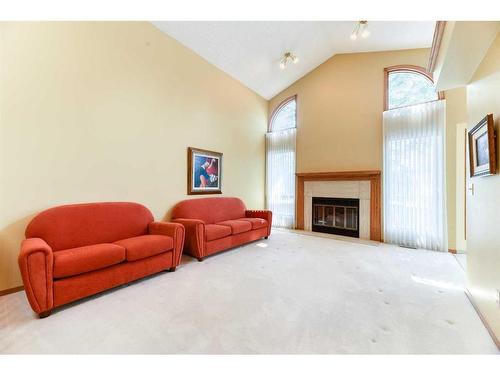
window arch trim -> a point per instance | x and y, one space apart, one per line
278 108
405 68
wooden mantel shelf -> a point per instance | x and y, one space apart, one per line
348 175
375 195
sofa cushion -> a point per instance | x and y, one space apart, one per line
76 225
214 231
256 222
145 246
83 259
210 210
237 226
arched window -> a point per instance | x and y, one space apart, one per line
414 188
408 85
284 116
280 163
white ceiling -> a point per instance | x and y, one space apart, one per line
250 51
462 49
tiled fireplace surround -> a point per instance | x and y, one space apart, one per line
339 189
362 185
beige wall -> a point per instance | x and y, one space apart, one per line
456 114
483 208
105 111
339 110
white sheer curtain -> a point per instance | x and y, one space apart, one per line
414 176
280 176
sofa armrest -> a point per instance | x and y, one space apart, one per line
262 214
194 244
174 230
36 263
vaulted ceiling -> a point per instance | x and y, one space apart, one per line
250 51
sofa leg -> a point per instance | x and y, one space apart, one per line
171 269
266 237
44 314
200 259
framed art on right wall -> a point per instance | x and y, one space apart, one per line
482 155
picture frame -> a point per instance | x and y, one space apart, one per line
204 175
482 148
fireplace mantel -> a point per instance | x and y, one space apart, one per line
375 195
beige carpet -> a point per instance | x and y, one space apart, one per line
293 293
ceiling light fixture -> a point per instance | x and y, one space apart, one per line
361 29
286 58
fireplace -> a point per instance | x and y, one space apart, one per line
362 185
336 216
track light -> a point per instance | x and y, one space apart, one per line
286 58
361 29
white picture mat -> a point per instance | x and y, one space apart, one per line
218 158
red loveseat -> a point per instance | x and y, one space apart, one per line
216 224
74 251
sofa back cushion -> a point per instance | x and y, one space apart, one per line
76 225
210 210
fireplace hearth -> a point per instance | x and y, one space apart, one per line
336 216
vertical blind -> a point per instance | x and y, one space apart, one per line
280 176
414 176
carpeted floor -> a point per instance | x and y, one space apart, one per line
293 293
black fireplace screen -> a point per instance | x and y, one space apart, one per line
336 216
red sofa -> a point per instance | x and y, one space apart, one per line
217 224
74 251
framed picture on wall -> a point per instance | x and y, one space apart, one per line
204 171
482 155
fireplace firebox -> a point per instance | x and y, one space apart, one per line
336 216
